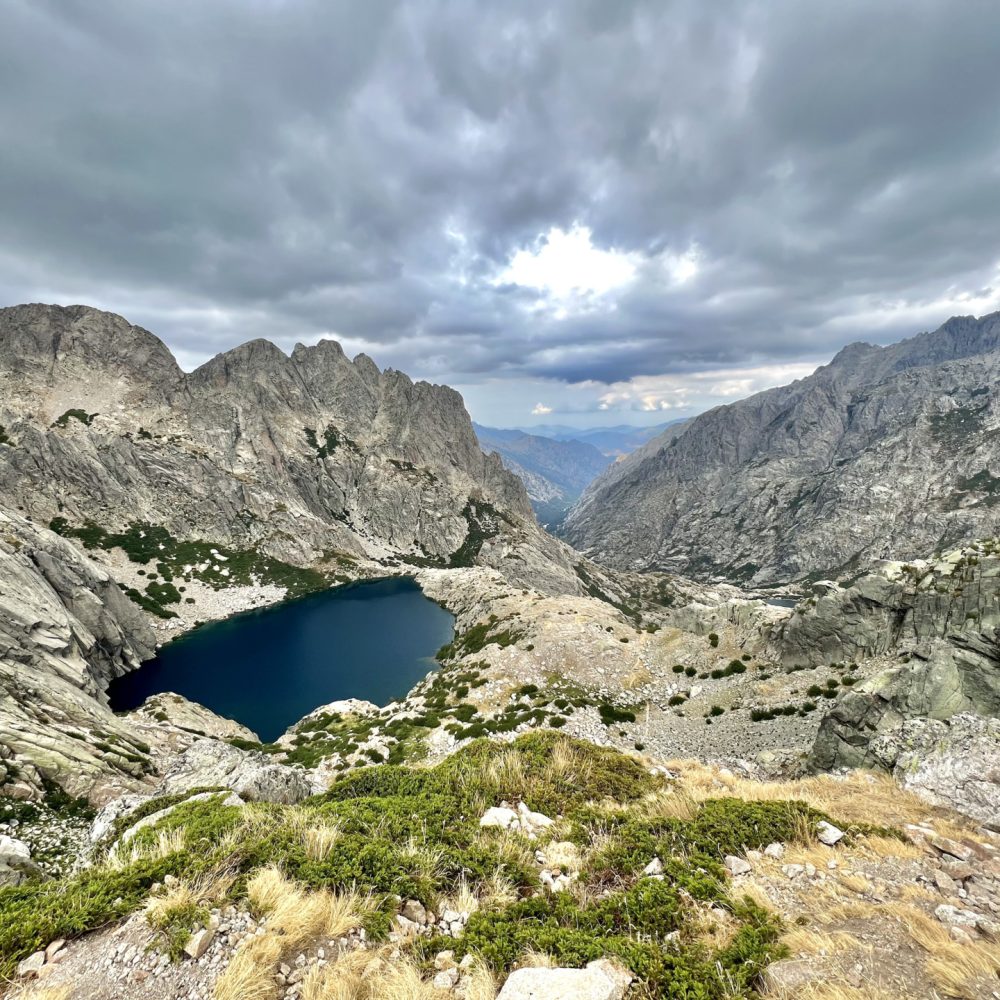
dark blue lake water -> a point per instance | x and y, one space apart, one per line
784 602
268 668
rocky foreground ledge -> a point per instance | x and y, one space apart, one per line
544 868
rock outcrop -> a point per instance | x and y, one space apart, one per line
936 626
897 606
883 450
251 775
65 630
953 763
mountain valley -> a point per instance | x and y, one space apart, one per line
649 680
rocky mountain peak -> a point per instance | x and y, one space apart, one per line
63 347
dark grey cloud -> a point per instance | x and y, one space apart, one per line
221 169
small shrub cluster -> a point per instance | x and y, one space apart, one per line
81 415
731 669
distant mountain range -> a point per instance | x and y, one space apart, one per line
886 451
612 441
557 463
554 472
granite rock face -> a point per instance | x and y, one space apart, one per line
65 630
251 775
953 763
955 598
888 450
300 457
936 623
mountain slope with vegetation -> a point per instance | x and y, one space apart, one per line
400 877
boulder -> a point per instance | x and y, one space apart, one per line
828 834
197 944
521 820
255 777
601 980
16 865
32 965
737 866
500 816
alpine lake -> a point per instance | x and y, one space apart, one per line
268 668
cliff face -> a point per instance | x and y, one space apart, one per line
65 630
298 457
885 449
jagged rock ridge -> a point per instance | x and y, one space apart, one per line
300 457
891 450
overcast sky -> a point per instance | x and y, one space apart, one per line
592 211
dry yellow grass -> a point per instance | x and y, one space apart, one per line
814 853
250 973
482 984
208 889
915 892
756 894
125 855
425 860
295 917
319 840
498 889
463 899
888 847
301 916
365 975
265 890
532 959
802 941
669 804
855 883
958 970
860 797
835 991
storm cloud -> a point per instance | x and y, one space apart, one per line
602 209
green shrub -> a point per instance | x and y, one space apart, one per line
713 639
81 415
611 714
